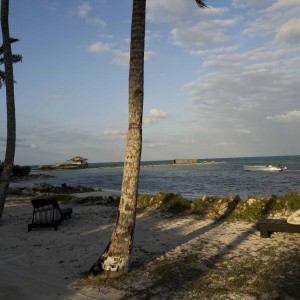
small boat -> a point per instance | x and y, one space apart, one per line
264 168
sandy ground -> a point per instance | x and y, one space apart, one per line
43 263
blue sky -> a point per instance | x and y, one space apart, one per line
219 82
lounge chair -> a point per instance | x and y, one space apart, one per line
267 227
47 213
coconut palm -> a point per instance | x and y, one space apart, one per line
10 104
116 258
15 59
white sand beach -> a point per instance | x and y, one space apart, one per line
44 264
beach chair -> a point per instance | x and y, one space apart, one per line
47 213
267 227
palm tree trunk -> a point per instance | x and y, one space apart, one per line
116 258
10 103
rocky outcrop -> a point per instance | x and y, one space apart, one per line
62 189
112 200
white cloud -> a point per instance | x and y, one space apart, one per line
121 57
189 36
290 116
148 55
268 21
20 143
247 3
184 16
154 116
243 131
26 146
173 11
96 22
190 141
100 48
279 4
244 88
203 34
289 32
114 133
84 9
168 10
153 145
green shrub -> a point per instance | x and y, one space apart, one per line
203 206
250 212
147 201
287 202
215 208
168 202
231 208
18 171
173 203
266 207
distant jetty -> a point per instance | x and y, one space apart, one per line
185 161
76 162
170 163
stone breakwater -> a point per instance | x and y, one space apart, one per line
50 189
77 194
168 165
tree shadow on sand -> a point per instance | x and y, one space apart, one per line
175 236
209 274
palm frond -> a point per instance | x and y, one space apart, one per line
201 3
2 79
15 58
12 40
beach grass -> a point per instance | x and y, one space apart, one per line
231 208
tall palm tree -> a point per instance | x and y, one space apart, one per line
115 260
10 104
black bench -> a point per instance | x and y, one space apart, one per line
47 213
267 227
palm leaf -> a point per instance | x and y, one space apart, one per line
201 3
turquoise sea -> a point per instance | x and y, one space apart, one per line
191 181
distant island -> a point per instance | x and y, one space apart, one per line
76 162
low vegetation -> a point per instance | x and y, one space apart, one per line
267 269
18 171
230 208
272 275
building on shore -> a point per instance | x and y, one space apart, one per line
76 162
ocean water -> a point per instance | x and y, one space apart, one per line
192 181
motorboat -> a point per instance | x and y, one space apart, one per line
264 168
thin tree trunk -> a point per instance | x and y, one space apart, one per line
10 103
116 258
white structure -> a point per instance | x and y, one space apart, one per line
265 168
75 162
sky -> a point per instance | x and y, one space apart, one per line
219 82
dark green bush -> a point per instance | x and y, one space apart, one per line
173 203
169 202
18 171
